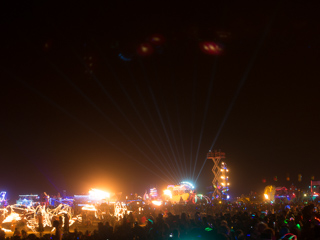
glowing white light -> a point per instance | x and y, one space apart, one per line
266 196
97 194
168 193
157 203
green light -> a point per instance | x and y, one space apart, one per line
298 226
286 221
208 229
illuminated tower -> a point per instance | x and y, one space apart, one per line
220 175
224 181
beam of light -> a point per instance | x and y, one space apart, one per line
125 116
115 76
173 136
165 131
52 103
172 167
242 81
169 122
192 108
154 140
160 116
178 122
120 110
181 138
205 113
108 119
151 160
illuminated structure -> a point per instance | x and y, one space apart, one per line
153 193
220 175
178 193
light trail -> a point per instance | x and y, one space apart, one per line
241 83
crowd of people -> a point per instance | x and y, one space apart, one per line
199 221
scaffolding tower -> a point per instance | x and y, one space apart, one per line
220 171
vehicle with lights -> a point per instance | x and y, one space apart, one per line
28 200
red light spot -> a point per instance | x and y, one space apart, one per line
210 48
145 49
264 180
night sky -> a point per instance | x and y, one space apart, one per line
81 108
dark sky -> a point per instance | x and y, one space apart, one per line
149 122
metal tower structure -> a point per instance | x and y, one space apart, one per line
220 175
